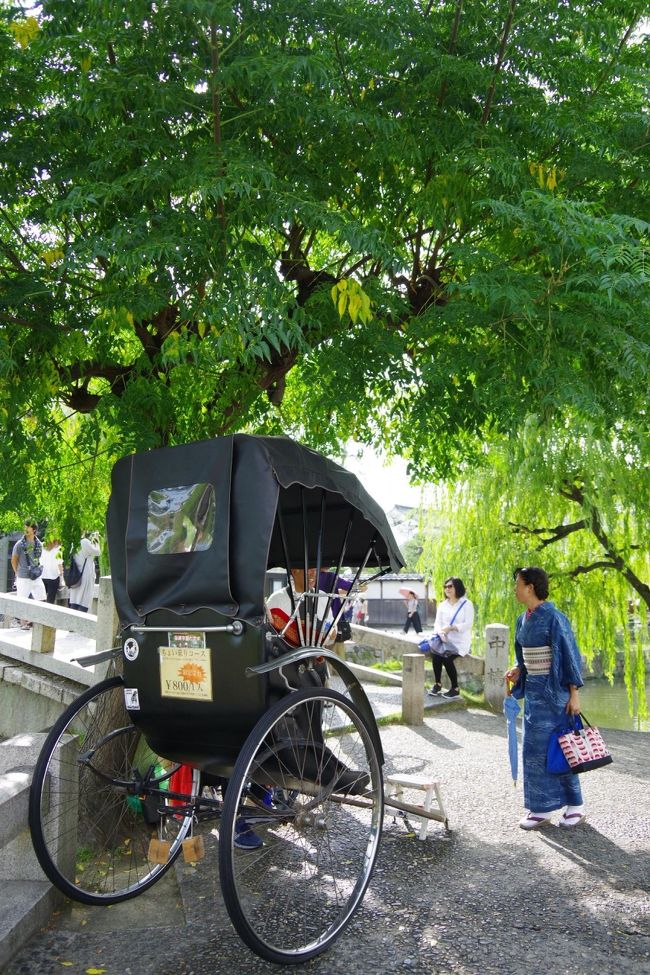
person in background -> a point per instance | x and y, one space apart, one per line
280 602
81 596
412 613
361 611
27 553
547 674
453 624
52 568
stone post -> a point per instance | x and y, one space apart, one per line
43 638
413 688
497 652
339 650
107 621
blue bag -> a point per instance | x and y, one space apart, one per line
556 763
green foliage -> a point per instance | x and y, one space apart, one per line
183 185
576 502
412 551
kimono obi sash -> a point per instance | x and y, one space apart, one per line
537 660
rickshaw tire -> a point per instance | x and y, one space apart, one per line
35 820
230 815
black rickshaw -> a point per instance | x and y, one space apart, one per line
215 711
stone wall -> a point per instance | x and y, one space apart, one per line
31 700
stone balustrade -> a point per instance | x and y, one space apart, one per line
50 622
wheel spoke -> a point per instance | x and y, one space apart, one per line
292 896
96 799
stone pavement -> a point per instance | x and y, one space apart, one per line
484 898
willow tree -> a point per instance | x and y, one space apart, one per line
413 222
575 502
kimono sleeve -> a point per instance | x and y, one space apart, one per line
564 645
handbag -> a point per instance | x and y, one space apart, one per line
72 573
556 762
582 748
344 630
444 648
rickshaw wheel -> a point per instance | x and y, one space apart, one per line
97 800
308 784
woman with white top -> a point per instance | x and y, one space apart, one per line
454 622
52 568
81 596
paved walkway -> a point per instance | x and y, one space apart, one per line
485 898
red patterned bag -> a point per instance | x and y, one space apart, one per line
584 748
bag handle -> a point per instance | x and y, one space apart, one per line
571 724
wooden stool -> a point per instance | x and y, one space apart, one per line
394 786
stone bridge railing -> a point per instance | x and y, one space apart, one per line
50 621
490 668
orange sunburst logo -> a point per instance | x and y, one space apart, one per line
193 673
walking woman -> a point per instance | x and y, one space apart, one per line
412 613
547 674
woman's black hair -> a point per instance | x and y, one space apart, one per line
535 577
458 584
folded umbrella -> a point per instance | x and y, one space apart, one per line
511 710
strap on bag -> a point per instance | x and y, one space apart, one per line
457 612
570 724
30 560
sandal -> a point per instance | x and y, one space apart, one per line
534 821
571 820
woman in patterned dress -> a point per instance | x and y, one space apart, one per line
547 674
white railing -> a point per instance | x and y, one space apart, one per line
49 624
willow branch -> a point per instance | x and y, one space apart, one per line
575 493
555 534
581 570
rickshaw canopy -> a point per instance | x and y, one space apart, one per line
197 525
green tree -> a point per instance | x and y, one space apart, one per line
578 504
183 185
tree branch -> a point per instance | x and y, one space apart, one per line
575 493
500 59
216 113
555 534
583 569
346 83
451 48
8 251
16 321
622 43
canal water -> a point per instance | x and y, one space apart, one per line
606 705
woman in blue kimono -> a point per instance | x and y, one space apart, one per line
547 674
